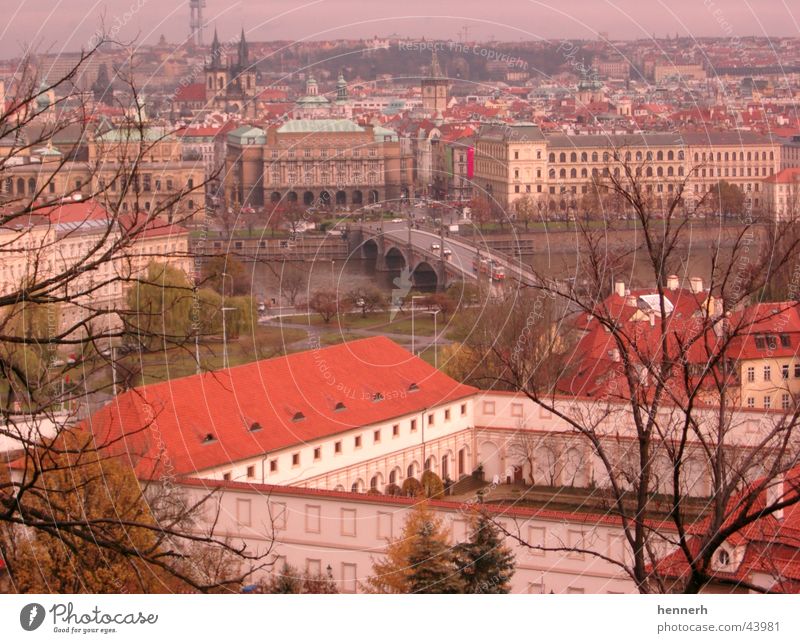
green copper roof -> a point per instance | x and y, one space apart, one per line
248 134
305 126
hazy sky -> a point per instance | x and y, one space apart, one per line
58 25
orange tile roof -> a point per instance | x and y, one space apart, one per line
202 421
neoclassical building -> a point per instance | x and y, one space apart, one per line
515 159
321 163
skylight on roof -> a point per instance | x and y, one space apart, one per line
339 406
298 417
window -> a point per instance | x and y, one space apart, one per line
295 459
251 471
357 442
273 466
395 430
785 371
384 527
313 513
463 410
226 475
767 402
243 512
317 453
376 436
349 576
575 539
751 374
516 410
277 513
337 447
785 401
488 408
348 522
447 414
313 567
767 373
413 426
430 419
536 537
797 370
751 402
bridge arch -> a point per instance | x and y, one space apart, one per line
395 259
369 249
424 277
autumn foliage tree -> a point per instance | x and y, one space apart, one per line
420 561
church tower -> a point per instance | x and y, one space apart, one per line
435 89
216 74
246 74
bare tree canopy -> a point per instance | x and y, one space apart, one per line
92 215
651 384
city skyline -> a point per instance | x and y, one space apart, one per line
141 21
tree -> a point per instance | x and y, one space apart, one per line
525 210
411 488
368 300
419 562
292 281
325 303
726 200
480 211
160 305
665 411
68 306
226 275
432 485
290 580
119 516
485 562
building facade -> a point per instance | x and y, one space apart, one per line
322 163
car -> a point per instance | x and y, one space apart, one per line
435 247
397 221
447 252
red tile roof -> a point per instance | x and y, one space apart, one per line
772 542
194 93
203 421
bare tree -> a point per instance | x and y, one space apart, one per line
76 230
659 416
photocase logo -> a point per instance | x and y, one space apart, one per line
403 285
31 616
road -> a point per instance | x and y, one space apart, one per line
462 255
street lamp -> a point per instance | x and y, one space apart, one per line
225 363
413 343
435 314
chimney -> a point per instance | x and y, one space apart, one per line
672 282
775 494
619 288
652 316
696 284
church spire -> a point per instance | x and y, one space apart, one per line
216 52
244 53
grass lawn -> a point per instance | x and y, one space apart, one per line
179 362
329 339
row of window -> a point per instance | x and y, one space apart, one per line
786 402
377 436
324 153
767 372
